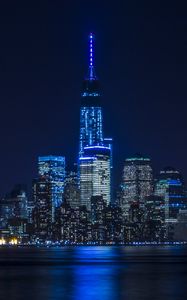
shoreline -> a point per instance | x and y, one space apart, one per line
62 245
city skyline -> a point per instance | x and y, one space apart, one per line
82 207
93 130
127 93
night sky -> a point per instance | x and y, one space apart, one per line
141 61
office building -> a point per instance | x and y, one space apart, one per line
95 174
14 205
137 182
71 189
170 186
48 193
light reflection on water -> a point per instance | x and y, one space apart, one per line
107 273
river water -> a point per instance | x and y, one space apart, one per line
103 273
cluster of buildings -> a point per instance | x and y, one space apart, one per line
79 206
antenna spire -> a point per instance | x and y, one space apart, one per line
91 61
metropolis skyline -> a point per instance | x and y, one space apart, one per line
93 130
141 64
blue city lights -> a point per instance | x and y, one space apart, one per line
174 182
51 158
52 170
178 205
91 127
88 94
86 158
95 147
91 55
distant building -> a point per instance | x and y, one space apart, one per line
134 228
98 210
114 224
154 219
52 169
71 189
137 182
154 208
18 227
108 142
14 205
48 193
95 173
72 225
170 186
180 229
44 210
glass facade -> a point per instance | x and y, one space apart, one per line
86 165
137 181
91 123
44 212
91 128
48 192
14 205
95 174
71 190
51 169
170 187
94 157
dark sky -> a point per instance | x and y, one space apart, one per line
141 60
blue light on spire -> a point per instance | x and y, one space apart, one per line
91 72
91 123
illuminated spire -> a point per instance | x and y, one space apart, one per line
91 49
91 84
91 58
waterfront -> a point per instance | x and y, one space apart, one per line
94 273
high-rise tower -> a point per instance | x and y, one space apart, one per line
95 174
91 127
170 186
48 193
137 181
94 151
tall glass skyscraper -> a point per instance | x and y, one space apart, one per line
48 193
94 152
137 181
52 170
91 127
95 174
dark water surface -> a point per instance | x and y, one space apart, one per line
106 273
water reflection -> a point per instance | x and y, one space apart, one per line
98 276
94 273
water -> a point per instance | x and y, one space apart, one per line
103 273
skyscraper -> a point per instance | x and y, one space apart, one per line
91 127
170 186
71 189
94 153
108 142
52 169
95 174
14 205
98 211
137 181
48 189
